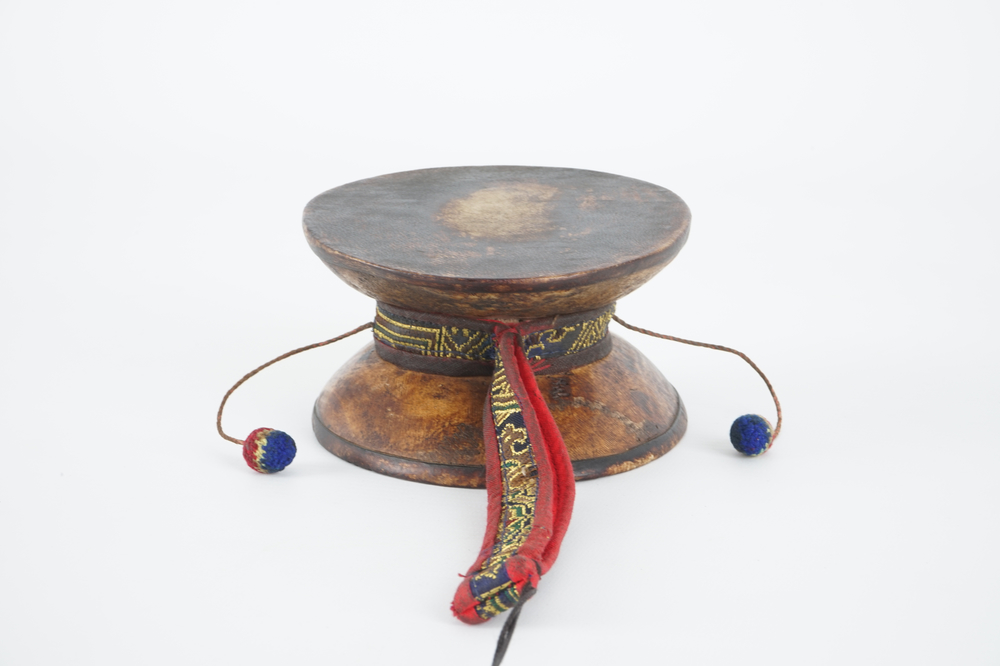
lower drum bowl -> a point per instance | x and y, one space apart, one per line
615 414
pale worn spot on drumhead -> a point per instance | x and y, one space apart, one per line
505 211
462 226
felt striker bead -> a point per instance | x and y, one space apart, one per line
751 434
267 450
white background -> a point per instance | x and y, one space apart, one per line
841 163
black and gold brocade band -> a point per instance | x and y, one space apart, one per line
461 347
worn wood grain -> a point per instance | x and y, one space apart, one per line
614 415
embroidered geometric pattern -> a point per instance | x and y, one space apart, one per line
429 339
567 339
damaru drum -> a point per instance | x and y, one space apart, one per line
448 253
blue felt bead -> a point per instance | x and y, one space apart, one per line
279 452
751 434
268 451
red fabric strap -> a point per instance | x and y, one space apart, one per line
529 482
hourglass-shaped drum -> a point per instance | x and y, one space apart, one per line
449 251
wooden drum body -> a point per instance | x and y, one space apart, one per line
505 244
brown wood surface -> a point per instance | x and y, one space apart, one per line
614 415
498 241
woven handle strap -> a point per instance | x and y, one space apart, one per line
529 483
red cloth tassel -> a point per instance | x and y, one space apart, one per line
553 505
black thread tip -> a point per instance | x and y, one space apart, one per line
511 623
